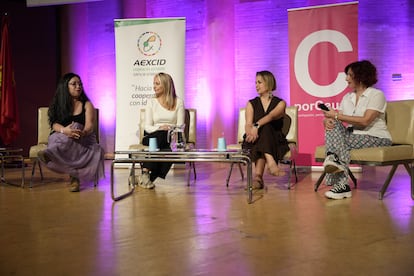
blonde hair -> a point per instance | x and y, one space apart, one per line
269 80
169 89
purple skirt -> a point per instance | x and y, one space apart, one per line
82 158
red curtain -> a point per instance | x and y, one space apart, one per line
9 117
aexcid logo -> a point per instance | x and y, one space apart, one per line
149 43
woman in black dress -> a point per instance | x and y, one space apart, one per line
264 123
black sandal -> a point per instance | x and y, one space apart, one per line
257 183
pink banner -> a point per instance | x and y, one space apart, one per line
322 41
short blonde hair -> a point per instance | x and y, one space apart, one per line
269 79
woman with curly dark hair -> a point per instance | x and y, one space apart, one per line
358 123
72 146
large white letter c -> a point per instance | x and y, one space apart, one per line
301 65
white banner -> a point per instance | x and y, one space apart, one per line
144 47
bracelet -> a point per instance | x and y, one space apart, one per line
336 116
61 130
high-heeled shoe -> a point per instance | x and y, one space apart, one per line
74 184
258 183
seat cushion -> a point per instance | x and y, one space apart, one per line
35 149
234 146
383 154
320 152
380 154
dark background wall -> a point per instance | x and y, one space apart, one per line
33 36
226 43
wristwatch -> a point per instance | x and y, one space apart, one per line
256 125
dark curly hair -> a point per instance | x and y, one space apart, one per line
364 72
61 107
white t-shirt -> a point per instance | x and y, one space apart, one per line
373 99
156 115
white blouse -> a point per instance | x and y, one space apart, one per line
374 99
156 115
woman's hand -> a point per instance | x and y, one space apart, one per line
329 123
252 134
72 132
330 114
164 127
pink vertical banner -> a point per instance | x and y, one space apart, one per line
322 41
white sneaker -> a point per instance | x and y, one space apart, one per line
339 191
133 180
332 164
145 182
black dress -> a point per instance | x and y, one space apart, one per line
271 139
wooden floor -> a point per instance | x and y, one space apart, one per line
206 229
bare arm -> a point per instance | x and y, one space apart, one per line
251 131
180 113
89 119
360 121
77 133
276 113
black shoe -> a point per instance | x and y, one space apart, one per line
339 191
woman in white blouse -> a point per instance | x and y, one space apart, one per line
162 112
358 123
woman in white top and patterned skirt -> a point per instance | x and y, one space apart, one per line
359 123
162 112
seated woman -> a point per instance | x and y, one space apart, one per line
72 146
162 112
264 123
359 123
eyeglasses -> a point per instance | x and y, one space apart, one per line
76 84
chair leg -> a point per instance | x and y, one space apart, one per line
189 174
40 169
229 174
412 182
241 171
194 170
351 175
33 171
289 176
36 162
192 166
296 173
321 177
387 181
231 170
95 181
410 170
23 169
292 169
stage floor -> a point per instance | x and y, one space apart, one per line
206 228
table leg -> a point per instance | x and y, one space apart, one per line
14 158
23 169
116 198
249 181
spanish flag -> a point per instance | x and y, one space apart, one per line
9 117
